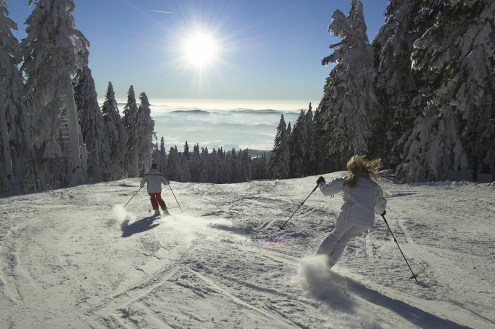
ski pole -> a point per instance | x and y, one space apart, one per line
415 276
282 226
133 196
175 197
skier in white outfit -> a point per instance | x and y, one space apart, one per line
363 198
154 180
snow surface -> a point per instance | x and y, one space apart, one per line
75 258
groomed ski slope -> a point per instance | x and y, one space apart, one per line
224 262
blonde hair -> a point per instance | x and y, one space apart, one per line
359 167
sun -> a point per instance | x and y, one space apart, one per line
200 49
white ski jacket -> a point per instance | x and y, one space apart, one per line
154 178
361 202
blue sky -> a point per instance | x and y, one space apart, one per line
266 49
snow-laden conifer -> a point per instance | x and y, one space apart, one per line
456 56
350 101
130 123
186 151
185 171
53 51
289 129
260 168
279 162
204 175
116 136
173 164
310 149
162 159
195 163
322 162
15 121
246 167
145 134
92 125
214 167
297 144
155 155
405 21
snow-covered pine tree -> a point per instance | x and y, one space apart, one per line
173 164
185 172
352 107
297 144
260 168
15 121
472 92
116 136
289 136
204 175
398 87
195 164
322 143
455 58
145 127
53 51
221 174
279 162
162 160
155 155
214 172
186 151
246 168
92 125
310 155
233 167
131 141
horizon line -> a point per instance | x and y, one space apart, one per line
226 104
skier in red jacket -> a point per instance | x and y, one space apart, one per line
154 180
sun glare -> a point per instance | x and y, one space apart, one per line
200 49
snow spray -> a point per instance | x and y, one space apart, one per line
330 288
323 285
120 214
189 227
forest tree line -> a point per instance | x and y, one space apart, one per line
421 96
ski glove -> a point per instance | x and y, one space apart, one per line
320 180
383 213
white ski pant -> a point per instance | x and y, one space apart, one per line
334 244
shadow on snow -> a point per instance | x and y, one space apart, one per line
413 314
140 226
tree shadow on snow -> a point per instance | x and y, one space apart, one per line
140 226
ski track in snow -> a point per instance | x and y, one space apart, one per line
73 258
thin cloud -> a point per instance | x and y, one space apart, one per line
161 11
